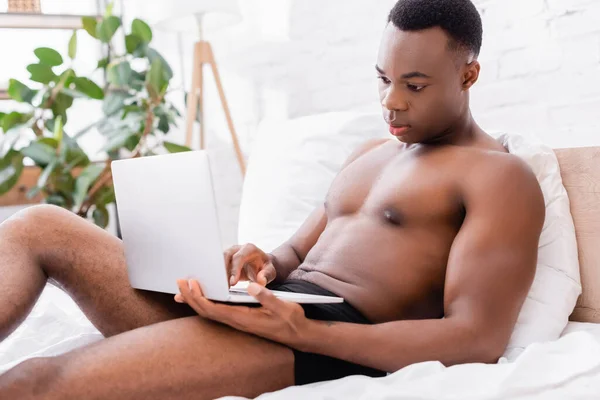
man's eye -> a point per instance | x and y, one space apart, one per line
384 80
415 88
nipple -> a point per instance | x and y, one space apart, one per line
392 216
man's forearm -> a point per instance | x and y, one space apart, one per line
394 345
285 260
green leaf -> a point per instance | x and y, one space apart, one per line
61 104
68 76
84 181
142 30
58 130
8 142
70 142
49 141
20 92
107 28
11 167
117 141
163 124
141 51
175 148
76 158
73 45
175 110
138 80
133 141
89 88
132 42
166 117
56 199
105 195
41 153
131 108
46 173
74 94
63 183
14 120
119 74
100 216
109 9
2 115
155 79
114 101
155 55
90 24
103 63
49 124
48 56
41 73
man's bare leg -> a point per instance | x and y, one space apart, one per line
47 242
186 358
181 358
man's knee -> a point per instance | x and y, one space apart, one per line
35 378
31 223
42 214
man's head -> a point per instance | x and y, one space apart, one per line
426 65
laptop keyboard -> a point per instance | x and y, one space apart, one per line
238 292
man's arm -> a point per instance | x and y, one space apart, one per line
287 257
489 272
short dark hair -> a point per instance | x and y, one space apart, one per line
458 18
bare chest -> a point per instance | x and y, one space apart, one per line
402 190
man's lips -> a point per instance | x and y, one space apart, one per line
398 130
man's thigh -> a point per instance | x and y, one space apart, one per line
89 264
187 358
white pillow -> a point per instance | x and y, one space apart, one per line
291 166
557 283
293 163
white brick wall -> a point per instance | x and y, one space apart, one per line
540 69
547 54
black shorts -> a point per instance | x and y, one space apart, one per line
310 367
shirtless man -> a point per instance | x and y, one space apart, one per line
431 238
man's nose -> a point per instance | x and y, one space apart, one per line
394 100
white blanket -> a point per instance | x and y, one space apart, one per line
565 369
568 368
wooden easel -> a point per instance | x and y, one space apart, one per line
203 54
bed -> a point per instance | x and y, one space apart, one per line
565 368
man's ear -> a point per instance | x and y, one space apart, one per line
471 74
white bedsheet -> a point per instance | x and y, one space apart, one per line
568 368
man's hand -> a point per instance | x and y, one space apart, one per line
277 320
249 263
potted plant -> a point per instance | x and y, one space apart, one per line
136 118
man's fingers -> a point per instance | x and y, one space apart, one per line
266 275
182 285
266 298
238 261
247 254
228 254
192 295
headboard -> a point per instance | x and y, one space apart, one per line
580 170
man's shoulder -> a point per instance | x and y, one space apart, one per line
495 176
502 165
364 148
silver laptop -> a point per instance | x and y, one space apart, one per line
169 224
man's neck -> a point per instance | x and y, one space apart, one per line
464 132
